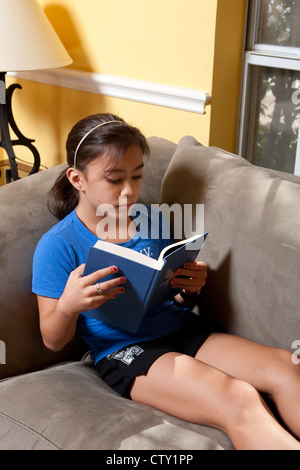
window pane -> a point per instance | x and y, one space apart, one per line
273 112
279 23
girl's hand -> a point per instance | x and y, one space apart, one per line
81 293
58 317
194 279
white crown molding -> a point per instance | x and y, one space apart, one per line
185 99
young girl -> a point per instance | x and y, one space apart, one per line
173 363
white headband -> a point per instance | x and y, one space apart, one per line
88 133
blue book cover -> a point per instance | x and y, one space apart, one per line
147 279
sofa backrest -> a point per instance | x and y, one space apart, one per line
24 218
252 250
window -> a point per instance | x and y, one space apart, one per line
270 112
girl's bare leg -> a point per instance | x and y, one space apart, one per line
268 370
197 392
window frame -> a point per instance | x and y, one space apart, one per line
264 55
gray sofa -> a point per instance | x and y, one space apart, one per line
56 400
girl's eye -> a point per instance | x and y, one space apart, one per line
119 180
113 181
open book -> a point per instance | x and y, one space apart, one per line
147 279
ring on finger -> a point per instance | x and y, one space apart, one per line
98 289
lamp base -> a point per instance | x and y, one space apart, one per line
6 119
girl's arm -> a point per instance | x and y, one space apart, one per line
57 327
58 317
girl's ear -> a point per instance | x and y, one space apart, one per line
76 179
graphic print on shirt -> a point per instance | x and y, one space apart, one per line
126 355
146 251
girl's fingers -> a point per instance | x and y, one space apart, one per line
188 284
107 286
196 266
79 270
191 284
99 274
192 273
111 293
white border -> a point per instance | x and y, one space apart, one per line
185 99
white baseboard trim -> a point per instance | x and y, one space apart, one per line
185 99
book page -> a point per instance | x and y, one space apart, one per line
128 253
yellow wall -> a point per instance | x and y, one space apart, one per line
193 44
151 40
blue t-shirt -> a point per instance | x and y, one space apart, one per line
64 248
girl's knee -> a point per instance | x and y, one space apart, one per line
242 394
240 400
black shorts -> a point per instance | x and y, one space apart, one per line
120 368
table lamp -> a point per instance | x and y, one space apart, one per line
27 42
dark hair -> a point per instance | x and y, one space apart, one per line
112 139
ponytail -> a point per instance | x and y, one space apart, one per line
63 197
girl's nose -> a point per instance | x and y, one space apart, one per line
127 189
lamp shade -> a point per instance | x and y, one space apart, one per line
27 38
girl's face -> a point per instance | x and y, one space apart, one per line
103 183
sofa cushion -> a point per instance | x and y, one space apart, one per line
24 218
69 407
253 219
161 152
